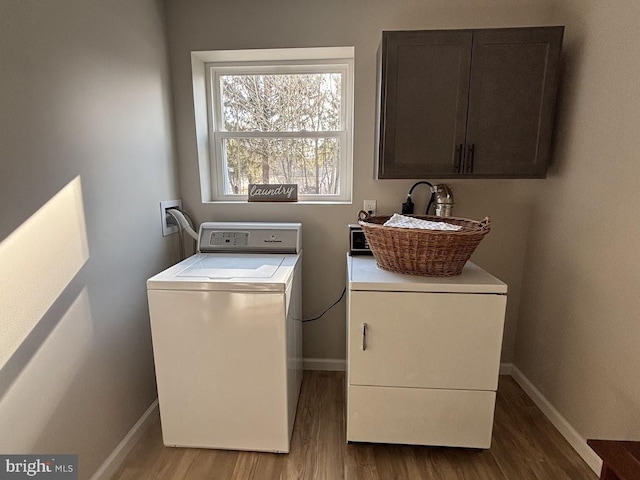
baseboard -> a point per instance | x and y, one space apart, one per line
113 461
506 368
572 436
331 364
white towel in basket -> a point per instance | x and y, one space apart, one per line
403 221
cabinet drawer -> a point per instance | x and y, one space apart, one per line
415 416
429 340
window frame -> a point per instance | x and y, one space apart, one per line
272 61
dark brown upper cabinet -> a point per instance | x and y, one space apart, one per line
467 103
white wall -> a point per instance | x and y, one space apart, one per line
86 146
206 25
579 326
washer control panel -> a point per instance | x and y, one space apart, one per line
230 239
236 237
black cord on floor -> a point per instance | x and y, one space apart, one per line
328 308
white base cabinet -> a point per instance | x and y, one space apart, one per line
423 356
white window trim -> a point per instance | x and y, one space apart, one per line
298 60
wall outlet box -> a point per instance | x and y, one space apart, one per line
169 225
370 206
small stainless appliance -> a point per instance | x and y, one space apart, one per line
444 200
358 244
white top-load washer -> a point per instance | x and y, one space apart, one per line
227 341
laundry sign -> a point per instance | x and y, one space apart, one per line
273 192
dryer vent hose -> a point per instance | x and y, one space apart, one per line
183 222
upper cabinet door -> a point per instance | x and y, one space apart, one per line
423 91
467 103
512 96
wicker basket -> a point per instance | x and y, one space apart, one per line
433 253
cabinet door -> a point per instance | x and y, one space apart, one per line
427 340
511 101
424 86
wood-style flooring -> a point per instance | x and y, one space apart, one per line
525 446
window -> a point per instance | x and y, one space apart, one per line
277 116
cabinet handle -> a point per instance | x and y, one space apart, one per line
459 163
364 336
471 157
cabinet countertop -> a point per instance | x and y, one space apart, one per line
365 275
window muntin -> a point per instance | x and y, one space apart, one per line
281 123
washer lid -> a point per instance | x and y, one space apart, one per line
228 272
241 267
